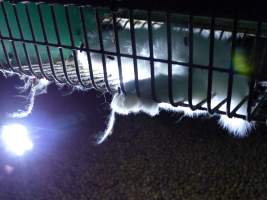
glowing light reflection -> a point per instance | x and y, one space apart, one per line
16 139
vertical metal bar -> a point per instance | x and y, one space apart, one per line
211 56
76 63
73 45
231 70
98 23
169 49
191 65
47 47
35 46
190 78
217 107
6 55
261 65
10 35
6 20
132 30
59 43
18 59
54 19
23 44
255 65
239 105
69 25
88 49
64 67
151 57
118 51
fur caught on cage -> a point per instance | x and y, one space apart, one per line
141 44
31 88
130 103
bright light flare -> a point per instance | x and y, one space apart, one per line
16 139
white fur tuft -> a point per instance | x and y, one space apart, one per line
37 87
109 129
237 127
126 104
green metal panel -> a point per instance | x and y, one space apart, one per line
75 22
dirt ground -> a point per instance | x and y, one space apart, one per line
145 158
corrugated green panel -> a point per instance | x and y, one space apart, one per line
3 26
63 27
75 22
23 20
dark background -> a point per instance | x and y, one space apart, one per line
145 158
243 9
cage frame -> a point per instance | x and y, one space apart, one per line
168 7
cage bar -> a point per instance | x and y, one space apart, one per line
63 70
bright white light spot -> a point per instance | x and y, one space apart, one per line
16 139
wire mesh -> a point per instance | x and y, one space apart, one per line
43 40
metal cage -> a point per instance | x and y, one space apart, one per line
17 43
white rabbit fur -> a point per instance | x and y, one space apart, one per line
130 103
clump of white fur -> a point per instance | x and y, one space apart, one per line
108 131
36 87
127 104
236 126
33 85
